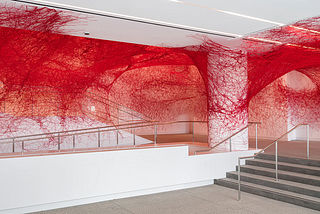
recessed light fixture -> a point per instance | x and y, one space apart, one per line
231 13
127 18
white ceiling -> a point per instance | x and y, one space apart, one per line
172 14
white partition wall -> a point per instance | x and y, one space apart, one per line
30 184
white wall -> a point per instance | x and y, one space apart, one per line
30 184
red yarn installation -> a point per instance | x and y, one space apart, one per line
45 73
273 54
49 74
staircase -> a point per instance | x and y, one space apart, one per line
299 180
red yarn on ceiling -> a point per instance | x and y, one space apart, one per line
272 55
45 73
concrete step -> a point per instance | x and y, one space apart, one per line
283 175
273 193
290 186
309 170
300 161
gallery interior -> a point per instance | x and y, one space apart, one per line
105 100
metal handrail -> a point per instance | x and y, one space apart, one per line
76 130
75 134
276 154
87 131
229 138
127 125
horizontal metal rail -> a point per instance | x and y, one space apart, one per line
75 130
96 130
229 138
101 149
276 154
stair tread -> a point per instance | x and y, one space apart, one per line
270 189
286 164
314 177
287 159
281 181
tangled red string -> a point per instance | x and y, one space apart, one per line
46 73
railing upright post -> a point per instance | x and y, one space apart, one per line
193 132
99 143
59 142
134 136
117 137
22 149
230 145
256 136
12 145
74 142
155 134
118 127
239 188
276 156
308 143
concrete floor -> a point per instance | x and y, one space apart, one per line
200 200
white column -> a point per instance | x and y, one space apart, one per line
227 90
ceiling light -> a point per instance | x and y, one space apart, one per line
232 13
300 28
127 17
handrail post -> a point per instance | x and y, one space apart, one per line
118 128
59 142
134 136
22 149
276 156
193 132
155 134
74 142
99 143
239 188
256 136
230 145
12 145
308 143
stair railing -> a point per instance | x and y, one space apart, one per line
230 138
276 154
72 133
98 130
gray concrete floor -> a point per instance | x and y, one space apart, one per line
206 199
